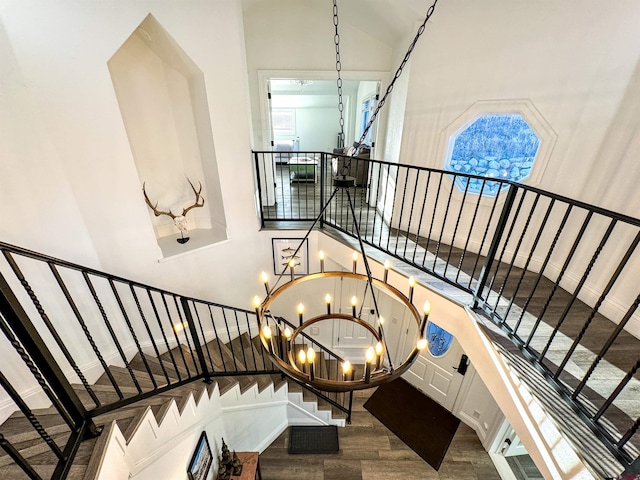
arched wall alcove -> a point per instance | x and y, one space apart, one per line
163 102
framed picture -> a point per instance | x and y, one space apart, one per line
201 460
283 251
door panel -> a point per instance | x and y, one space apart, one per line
436 376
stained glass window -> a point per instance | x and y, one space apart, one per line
439 340
500 146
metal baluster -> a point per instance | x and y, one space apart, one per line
598 303
215 332
18 459
444 222
393 205
205 345
404 196
493 248
422 210
630 433
114 338
22 405
556 284
164 336
481 247
413 202
375 205
133 333
466 244
323 165
196 340
455 229
45 318
253 352
559 231
244 357
175 336
185 333
87 334
585 275
525 269
27 341
433 219
151 337
385 188
233 354
605 348
498 263
523 233
617 390
259 182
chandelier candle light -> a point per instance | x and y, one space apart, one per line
295 353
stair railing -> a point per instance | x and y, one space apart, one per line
329 364
67 328
503 249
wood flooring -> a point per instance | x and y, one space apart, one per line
369 451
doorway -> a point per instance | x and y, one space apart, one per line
303 114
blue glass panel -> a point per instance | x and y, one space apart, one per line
439 340
494 146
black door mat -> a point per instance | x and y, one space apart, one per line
425 426
313 439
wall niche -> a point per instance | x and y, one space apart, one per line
163 102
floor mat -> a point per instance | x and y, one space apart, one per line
313 439
425 426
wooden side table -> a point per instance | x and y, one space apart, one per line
250 466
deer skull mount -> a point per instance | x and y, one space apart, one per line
180 221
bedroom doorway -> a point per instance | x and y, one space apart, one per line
303 114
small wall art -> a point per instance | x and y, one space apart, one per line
284 249
201 460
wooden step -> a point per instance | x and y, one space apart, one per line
164 371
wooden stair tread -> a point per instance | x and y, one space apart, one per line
166 370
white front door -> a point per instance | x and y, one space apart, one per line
437 376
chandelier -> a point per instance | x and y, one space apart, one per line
293 351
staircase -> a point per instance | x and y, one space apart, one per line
243 353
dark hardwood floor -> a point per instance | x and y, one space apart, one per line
369 451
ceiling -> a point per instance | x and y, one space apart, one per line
387 20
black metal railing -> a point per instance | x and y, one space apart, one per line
329 364
65 328
555 274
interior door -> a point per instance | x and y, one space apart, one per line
438 376
269 163
349 335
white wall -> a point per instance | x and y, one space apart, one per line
69 181
292 35
572 60
317 128
68 171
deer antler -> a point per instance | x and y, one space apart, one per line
198 198
155 207
198 203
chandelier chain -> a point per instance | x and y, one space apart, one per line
336 41
382 101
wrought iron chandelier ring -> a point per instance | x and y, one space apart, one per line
281 346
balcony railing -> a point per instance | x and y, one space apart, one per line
558 276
